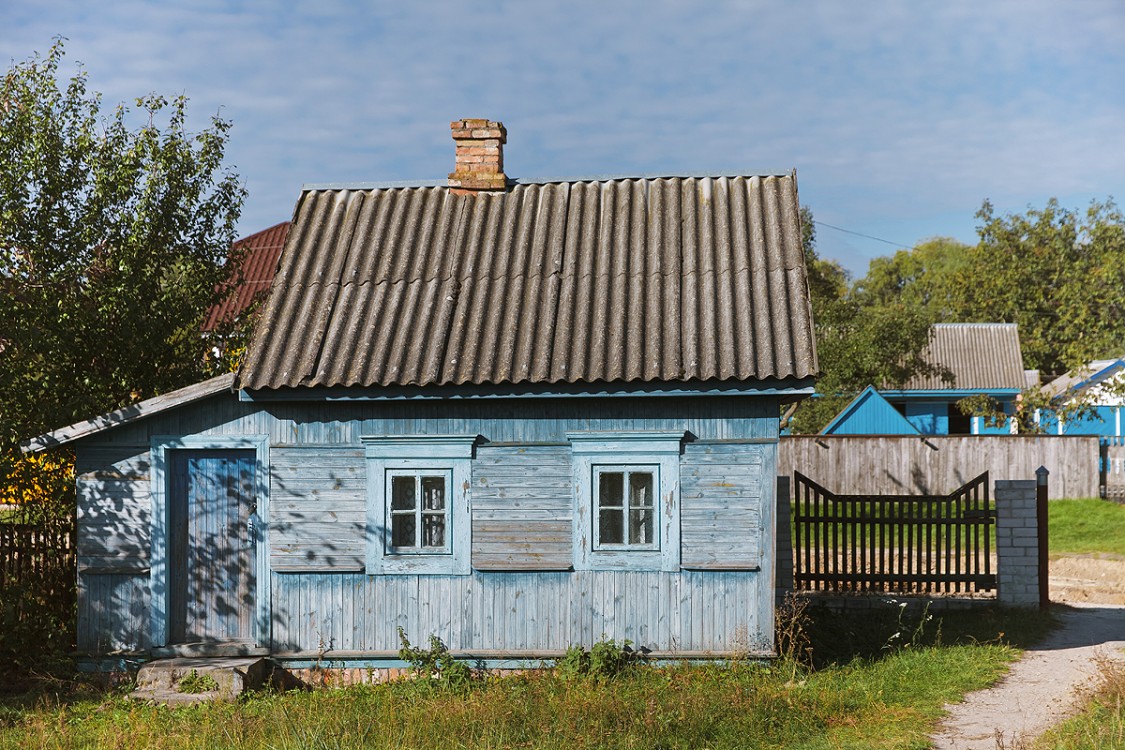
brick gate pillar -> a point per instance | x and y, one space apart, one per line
1017 543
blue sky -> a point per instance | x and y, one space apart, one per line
899 117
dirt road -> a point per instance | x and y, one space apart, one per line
1046 684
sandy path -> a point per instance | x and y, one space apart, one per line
1045 685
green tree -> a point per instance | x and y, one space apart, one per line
1060 275
859 342
932 275
113 241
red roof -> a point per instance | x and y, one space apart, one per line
259 263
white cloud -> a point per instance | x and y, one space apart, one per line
892 111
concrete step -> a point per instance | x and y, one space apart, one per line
208 648
160 681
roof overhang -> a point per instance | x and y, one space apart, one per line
950 393
786 389
130 414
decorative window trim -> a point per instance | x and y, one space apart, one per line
450 455
655 450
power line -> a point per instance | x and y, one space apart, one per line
899 245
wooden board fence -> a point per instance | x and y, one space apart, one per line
912 464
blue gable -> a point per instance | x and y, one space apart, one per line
869 414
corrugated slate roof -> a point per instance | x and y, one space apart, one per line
979 355
616 280
259 262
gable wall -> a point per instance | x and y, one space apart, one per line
517 598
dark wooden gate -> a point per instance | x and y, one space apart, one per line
893 543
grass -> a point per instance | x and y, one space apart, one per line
879 680
1101 725
1086 526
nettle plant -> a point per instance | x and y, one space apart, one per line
604 660
435 665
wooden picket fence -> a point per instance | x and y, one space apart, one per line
38 573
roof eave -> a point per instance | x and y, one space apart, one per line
130 414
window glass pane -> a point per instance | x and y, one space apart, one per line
611 489
611 530
640 527
402 493
433 493
433 530
640 490
402 530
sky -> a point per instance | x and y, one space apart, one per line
899 117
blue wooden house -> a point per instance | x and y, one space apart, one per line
1100 382
978 358
514 414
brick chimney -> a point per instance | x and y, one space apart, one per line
479 167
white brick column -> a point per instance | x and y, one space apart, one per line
1017 543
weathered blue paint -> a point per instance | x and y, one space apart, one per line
656 451
315 590
691 611
113 612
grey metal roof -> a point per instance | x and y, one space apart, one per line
620 280
1089 375
980 355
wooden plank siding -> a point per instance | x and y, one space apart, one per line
318 508
114 509
523 508
721 515
520 595
932 464
113 613
690 611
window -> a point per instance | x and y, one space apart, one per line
418 504
626 507
627 503
419 511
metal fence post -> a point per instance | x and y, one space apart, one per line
1041 525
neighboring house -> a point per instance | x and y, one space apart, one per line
258 254
870 414
982 358
1103 383
514 414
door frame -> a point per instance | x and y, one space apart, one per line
160 592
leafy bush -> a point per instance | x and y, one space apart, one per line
603 661
435 665
38 595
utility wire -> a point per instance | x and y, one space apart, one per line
861 234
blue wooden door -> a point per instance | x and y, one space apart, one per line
211 556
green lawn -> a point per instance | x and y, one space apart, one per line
880 682
1086 526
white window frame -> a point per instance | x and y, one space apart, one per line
657 451
597 506
419 512
419 455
